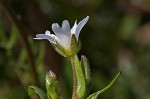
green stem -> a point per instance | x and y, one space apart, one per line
74 78
79 86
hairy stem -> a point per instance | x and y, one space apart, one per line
79 85
74 78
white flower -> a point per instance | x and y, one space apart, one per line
63 34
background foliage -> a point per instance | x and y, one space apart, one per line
116 38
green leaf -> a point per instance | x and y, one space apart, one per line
87 72
96 94
35 90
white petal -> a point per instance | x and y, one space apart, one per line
47 32
43 36
74 28
61 35
38 38
66 27
56 28
53 36
80 26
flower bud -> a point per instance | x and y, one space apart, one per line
52 87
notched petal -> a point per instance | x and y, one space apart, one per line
56 28
66 26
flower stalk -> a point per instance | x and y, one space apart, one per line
79 88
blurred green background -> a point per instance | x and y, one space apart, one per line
116 38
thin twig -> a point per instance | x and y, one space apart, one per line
23 38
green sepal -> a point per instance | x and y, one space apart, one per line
62 51
79 46
81 86
58 50
75 45
52 86
87 73
35 90
96 94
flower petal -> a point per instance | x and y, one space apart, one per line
64 38
56 28
47 33
73 30
80 26
66 27
43 36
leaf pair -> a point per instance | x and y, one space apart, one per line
82 76
83 79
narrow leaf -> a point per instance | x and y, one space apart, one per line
35 90
86 68
87 72
96 94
